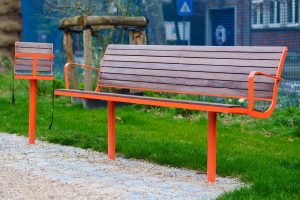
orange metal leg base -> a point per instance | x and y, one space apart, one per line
32 111
211 145
111 131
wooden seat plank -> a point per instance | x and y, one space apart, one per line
150 98
191 68
40 62
193 61
195 54
184 74
201 48
206 91
33 45
187 82
29 68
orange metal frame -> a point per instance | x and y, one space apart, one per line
33 88
212 110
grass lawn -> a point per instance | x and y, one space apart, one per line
263 153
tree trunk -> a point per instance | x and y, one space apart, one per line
68 46
156 26
88 59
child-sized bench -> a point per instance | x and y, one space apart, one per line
251 73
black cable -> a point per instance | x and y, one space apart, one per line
13 100
52 110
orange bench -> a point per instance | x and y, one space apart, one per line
251 73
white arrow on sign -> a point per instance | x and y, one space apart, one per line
185 8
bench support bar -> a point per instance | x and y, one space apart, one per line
111 130
32 111
211 145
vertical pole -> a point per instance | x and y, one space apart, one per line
69 52
88 58
111 130
184 27
32 111
211 147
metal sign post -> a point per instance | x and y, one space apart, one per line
33 62
184 9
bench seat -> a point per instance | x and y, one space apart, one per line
186 104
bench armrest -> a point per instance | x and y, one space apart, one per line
66 69
251 95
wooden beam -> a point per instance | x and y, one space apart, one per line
72 21
88 59
68 46
116 21
94 28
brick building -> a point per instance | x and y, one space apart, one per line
237 22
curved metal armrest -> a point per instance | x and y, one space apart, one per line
251 94
67 66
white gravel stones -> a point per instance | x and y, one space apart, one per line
50 171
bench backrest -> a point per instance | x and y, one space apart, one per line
201 70
24 64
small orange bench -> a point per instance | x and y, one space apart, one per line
251 73
33 61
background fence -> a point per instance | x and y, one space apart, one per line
181 22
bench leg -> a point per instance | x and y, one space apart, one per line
111 130
211 145
32 111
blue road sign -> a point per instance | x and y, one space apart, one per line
184 7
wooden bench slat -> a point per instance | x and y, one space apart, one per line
33 45
150 98
187 82
194 61
184 89
40 62
29 68
201 48
193 68
184 74
196 54
34 50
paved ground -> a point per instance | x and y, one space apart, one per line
49 171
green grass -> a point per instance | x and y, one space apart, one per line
263 153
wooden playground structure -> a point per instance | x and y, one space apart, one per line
90 24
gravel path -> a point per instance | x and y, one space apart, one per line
50 171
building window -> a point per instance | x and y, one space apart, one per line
258 14
274 12
293 11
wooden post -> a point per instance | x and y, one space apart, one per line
211 147
68 46
137 38
88 59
